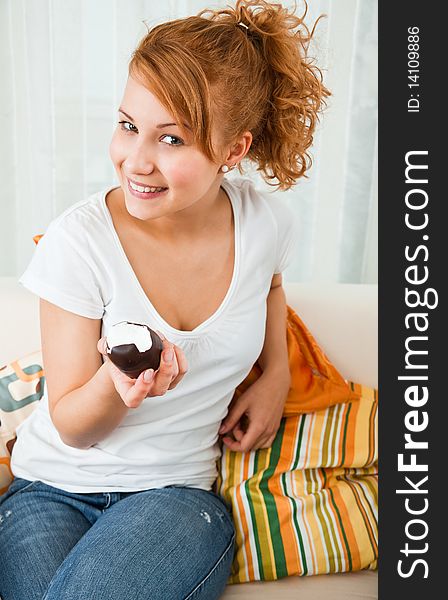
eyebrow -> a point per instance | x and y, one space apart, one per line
159 126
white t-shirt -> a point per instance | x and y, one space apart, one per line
80 266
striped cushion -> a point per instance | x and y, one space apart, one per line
307 505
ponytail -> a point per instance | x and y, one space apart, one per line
246 68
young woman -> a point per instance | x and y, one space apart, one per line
112 495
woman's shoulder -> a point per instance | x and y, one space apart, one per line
255 198
86 215
240 184
81 225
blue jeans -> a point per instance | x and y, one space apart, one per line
171 543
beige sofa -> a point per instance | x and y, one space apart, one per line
342 318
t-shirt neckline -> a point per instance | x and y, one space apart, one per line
199 330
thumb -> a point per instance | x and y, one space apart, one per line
101 347
235 414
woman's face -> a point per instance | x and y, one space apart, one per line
148 149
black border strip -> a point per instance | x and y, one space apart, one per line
413 267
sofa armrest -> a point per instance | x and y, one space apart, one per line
19 321
343 318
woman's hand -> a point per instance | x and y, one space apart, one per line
148 383
254 418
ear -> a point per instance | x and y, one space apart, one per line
239 149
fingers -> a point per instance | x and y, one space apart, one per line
137 391
173 366
167 371
254 438
238 432
101 346
113 369
265 442
246 442
234 416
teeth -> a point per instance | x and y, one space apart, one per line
139 188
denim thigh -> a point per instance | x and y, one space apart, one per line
170 543
173 543
37 532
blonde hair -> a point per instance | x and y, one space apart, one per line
238 69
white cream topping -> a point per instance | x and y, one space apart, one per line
129 333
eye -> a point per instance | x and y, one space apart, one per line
177 141
124 128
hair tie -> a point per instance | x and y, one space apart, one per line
243 25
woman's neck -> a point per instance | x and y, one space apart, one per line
208 216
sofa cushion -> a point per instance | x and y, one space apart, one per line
307 505
315 383
21 387
362 585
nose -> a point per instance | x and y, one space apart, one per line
140 161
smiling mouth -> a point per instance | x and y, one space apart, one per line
145 188
145 192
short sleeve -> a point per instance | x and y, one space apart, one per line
60 273
286 241
287 232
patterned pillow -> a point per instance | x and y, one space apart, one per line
21 387
308 505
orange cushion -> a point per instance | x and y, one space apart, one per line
315 383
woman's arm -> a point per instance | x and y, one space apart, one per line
262 403
274 356
88 399
83 403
